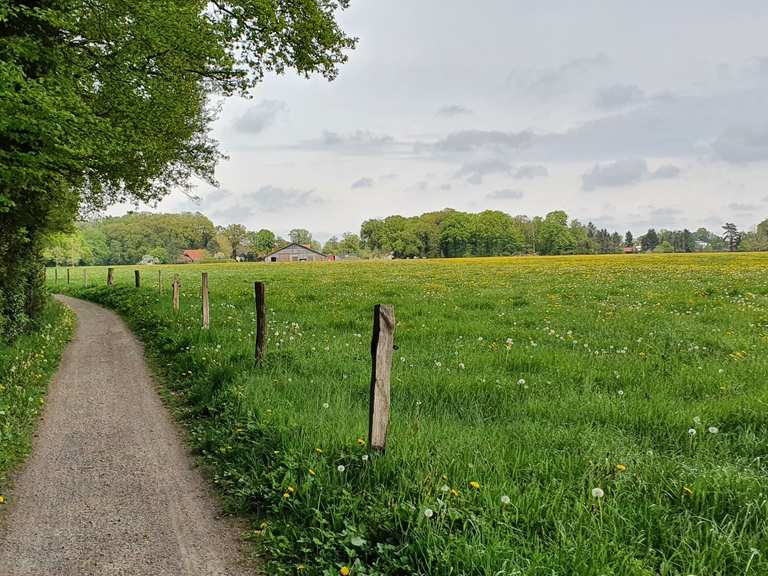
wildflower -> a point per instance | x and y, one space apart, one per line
461 365
364 457
263 525
326 405
311 472
341 468
428 512
360 442
597 493
691 432
2 499
521 381
454 492
344 571
620 467
505 500
475 485
687 491
319 450
713 430
621 392
286 495
290 489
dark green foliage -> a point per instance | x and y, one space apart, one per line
109 101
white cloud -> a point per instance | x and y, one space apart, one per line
260 117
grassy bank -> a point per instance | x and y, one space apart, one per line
583 415
26 367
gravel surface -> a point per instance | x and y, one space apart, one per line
110 487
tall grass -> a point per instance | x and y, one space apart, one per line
520 385
26 366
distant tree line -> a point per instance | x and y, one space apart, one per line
450 233
445 234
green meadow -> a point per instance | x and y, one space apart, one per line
601 415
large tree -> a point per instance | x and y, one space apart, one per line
107 100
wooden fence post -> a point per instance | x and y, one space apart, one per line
261 320
56 275
137 278
68 269
206 311
160 281
176 286
110 276
382 344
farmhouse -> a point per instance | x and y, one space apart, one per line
295 253
192 256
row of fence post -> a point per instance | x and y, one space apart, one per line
382 344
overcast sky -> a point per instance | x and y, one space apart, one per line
629 114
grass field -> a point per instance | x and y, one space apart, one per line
550 416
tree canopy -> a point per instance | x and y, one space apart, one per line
105 101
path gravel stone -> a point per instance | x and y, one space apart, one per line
110 487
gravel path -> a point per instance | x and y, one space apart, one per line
110 488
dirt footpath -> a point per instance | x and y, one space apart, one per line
110 488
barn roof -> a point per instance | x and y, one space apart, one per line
294 244
196 254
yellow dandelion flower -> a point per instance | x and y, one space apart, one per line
319 450
454 492
286 495
687 491
2 499
290 489
311 472
620 467
360 442
344 571
475 485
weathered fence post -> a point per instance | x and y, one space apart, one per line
68 269
56 275
110 276
382 344
206 311
160 281
261 320
176 286
137 278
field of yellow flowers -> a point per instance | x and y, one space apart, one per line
550 416
26 366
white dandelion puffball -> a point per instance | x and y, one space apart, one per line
326 405
445 488
521 381
597 493
364 457
341 468
505 499
428 512
691 431
713 430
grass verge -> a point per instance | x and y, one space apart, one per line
26 367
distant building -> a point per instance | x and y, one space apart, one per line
295 253
193 256
149 259
630 250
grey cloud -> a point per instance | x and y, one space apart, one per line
745 208
472 140
364 182
617 96
454 110
549 83
475 171
357 142
260 117
506 194
446 187
531 171
742 146
625 173
665 172
275 199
